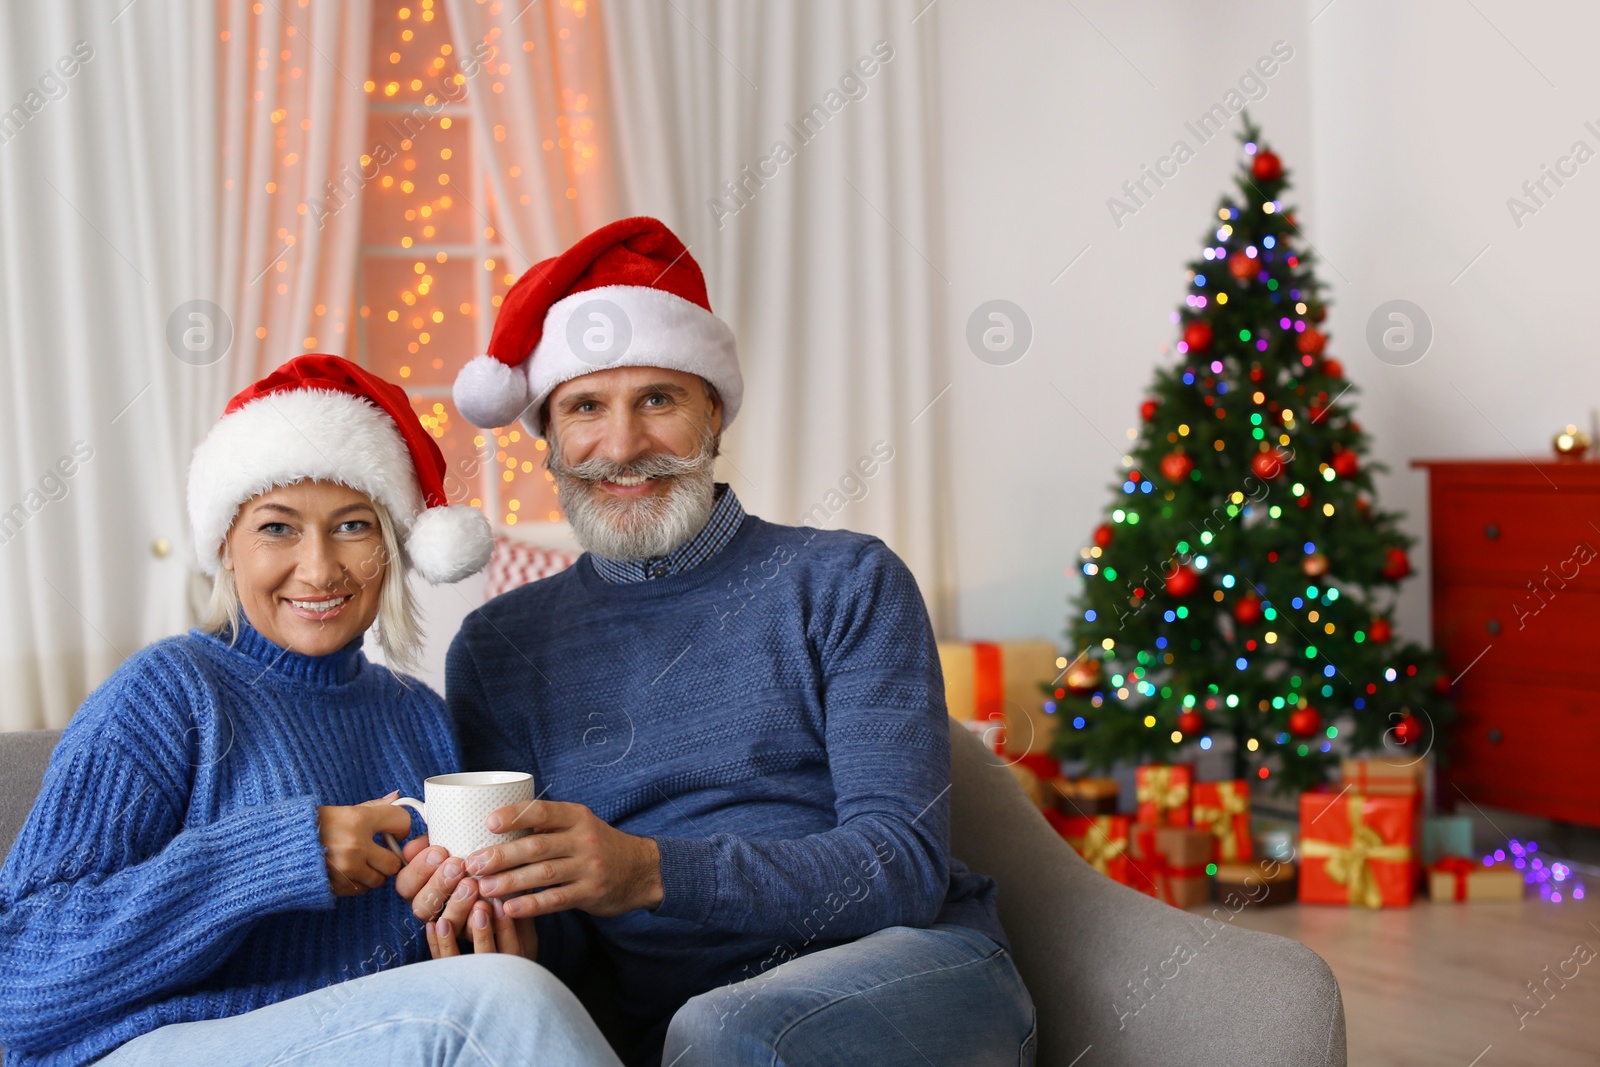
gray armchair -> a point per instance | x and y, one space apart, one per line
1110 970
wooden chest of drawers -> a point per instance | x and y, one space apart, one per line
1516 612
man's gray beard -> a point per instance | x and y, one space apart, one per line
639 527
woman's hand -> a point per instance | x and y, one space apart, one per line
491 929
357 863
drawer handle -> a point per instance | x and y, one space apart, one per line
1493 626
1492 532
1495 737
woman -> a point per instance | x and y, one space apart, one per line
200 880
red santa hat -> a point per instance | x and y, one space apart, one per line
627 295
323 418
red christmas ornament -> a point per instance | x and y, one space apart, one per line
1311 342
1191 722
1305 722
1256 373
1408 731
1344 463
1267 465
1363 505
1083 675
1380 631
1176 466
1148 409
1266 167
1333 368
1197 336
1102 535
1396 564
1242 266
1247 609
1441 685
1183 582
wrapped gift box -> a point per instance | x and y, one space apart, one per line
1222 809
1169 863
1383 776
1460 878
1102 840
1261 883
996 689
1085 796
1356 849
1444 836
1163 791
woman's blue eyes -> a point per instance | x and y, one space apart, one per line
280 529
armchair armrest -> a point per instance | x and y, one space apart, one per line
1139 980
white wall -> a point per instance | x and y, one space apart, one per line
1045 118
1406 126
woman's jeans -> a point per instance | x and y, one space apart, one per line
461 1011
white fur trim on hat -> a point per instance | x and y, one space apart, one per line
656 329
489 393
324 435
446 544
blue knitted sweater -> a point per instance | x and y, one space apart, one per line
171 869
774 717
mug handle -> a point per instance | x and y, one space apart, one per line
415 805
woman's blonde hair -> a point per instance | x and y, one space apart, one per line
399 626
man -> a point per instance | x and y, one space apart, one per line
737 728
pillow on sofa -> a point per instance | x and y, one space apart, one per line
515 563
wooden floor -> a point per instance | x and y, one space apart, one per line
1434 983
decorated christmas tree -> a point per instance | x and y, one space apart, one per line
1243 581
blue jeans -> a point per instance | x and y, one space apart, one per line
941 995
461 1011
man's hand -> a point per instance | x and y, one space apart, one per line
573 858
357 863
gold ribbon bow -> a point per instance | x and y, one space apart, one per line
1156 786
1349 865
1232 800
1097 846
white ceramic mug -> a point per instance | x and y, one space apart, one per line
455 806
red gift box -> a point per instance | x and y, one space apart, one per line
1356 849
1223 808
1162 790
1169 863
1102 840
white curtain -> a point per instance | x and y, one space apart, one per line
294 128
114 217
824 255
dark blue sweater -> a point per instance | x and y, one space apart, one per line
172 870
774 717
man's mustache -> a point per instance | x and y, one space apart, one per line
658 465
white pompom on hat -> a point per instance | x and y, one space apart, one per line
322 418
627 295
